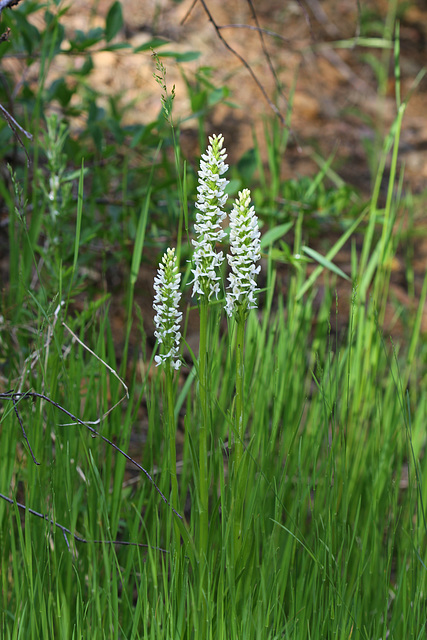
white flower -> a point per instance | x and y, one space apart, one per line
245 252
210 204
167 318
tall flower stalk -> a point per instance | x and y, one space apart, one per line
240 298
211 198
167 321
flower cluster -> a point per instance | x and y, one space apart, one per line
210 204
245 252
168 318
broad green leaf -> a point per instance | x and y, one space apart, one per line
188 56
117 46
155 43
114 21
325 262
274 234
337 246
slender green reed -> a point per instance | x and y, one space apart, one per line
204 430
239 422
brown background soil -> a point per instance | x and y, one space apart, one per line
336 104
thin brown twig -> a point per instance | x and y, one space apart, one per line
265 51
11 395
109 369
323 49
15 126
271 104
11 120
4 4
15 408
187 15
252 27
322 18
66 531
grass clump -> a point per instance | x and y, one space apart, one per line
275 480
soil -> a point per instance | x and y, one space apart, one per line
336 104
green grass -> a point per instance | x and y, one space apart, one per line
334 541
334 534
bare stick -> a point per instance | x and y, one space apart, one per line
322 49
11 395
246 65
12 123
8 3
15 126
66 531
265 50
109 369
184 19
15 408
251 27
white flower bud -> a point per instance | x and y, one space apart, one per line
210 202
168 318
245 252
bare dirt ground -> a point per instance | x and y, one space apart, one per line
336 104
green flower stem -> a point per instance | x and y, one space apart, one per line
239 480
171 435
203 435
203 497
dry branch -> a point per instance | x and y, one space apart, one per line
11 395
